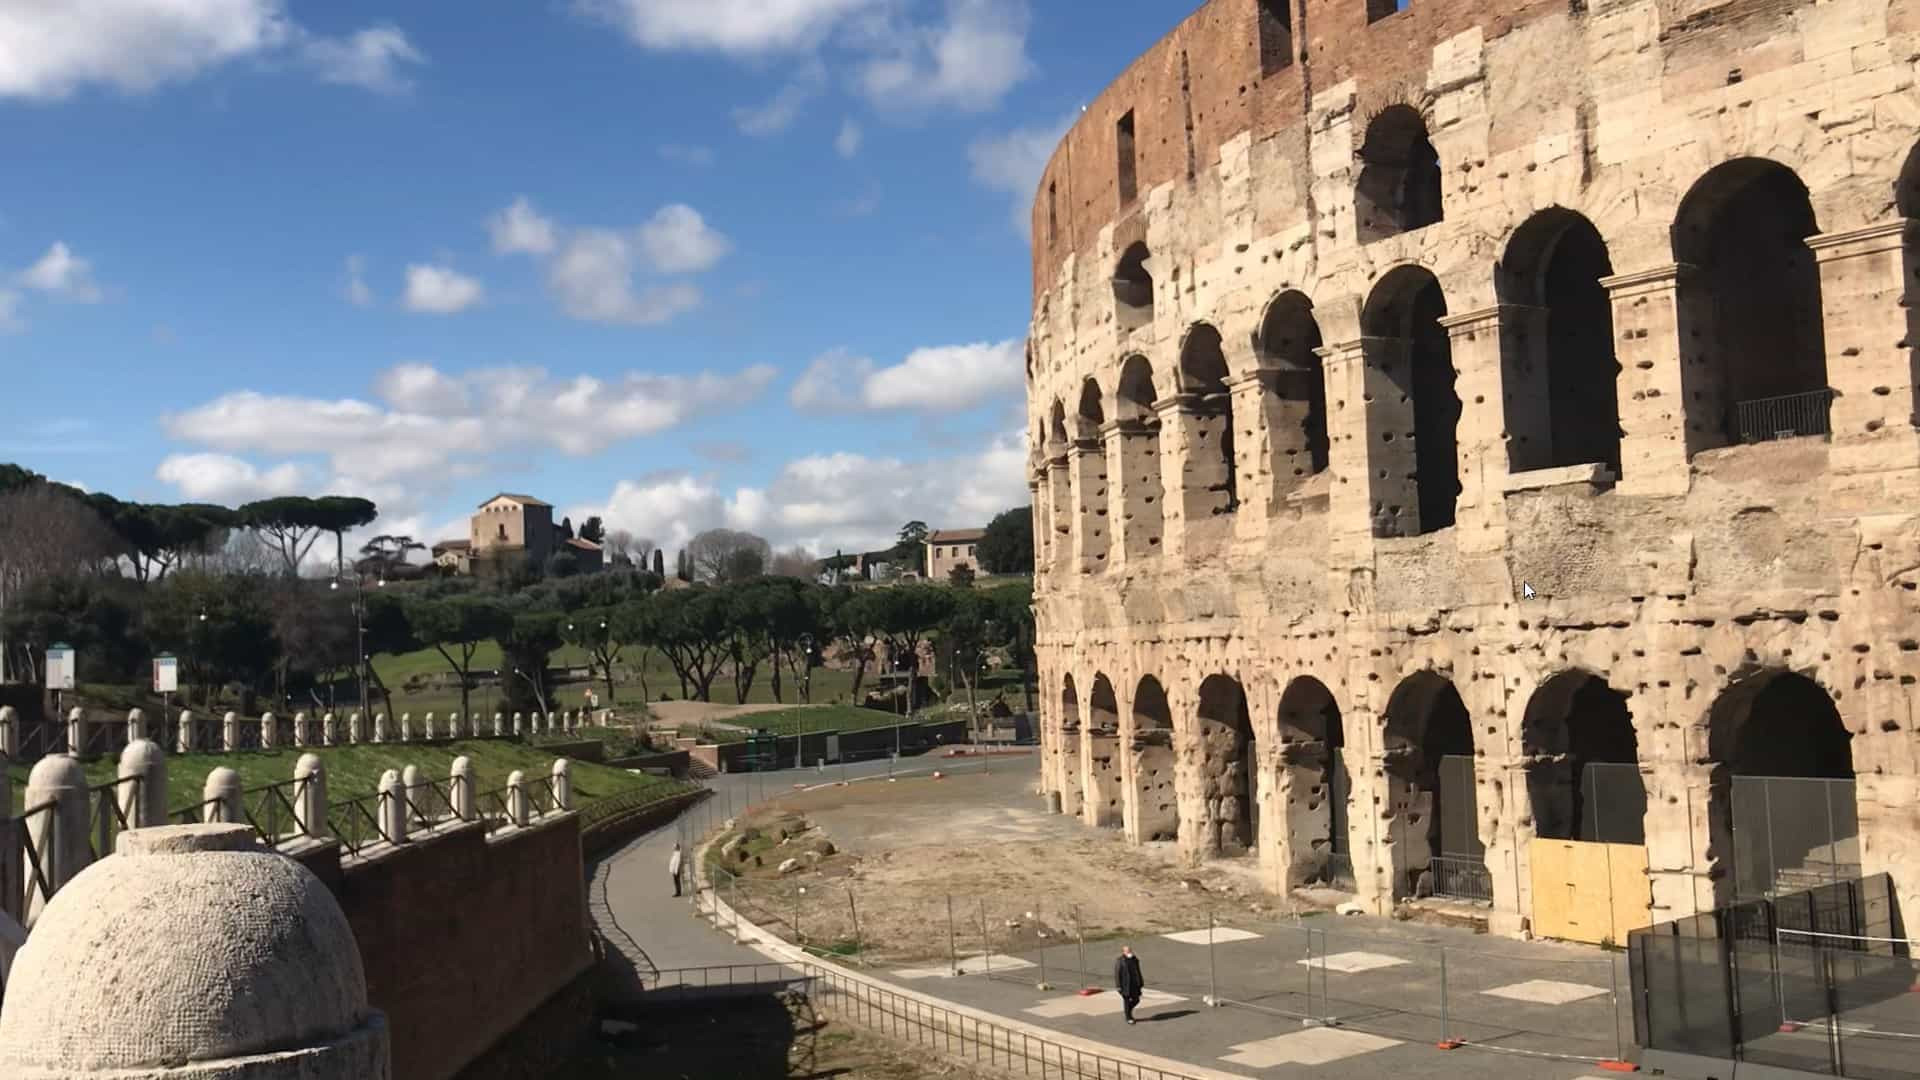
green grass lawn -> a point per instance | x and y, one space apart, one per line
354 771
806 720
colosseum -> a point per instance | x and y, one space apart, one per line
1473 431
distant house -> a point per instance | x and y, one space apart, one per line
454 556
516 527
588 554
951 548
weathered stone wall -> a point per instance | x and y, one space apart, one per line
1681 565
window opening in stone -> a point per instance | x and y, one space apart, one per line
1752 328
1104 796
1090 416
1906 192
1228 789
1290 341
1276 35
1411 399
1583 777
1212 480
1069 744
1053 213
1783 785
1312 746
1087 462
1430 763
1123 137
1059 491
1156 804
1143 512
1133 288
1399 186
1560 375
1380 9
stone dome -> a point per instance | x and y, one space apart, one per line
193 952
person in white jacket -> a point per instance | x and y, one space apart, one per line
673 867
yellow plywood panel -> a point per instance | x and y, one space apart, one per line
1588 892
1632 889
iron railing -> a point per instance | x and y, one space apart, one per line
357 823
107 819
1784 417
1461 877
22 864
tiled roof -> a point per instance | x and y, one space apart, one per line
956 536
524 500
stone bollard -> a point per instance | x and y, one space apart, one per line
427 726
184 740
379 727
268 724
499 724
329 730
76 732
406 727
462 787
355 733
230 732
58 834
393 808
136 725
517 798
196 918
456 726
9 733
310 796
143 784
220 798
300 722
519 725
562 784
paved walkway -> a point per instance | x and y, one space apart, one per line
1378 980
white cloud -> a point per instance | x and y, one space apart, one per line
440 290
969 62
847 143
50 49
677 240
938 378
221 478
521 229
1012 163
780 111
740 27
591 270
10 320
827 502
370 59
63 274
357 292
682 154
426 422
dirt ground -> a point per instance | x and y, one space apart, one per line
1017 876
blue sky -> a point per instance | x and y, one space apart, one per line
683 263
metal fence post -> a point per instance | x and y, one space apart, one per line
1213 977
859 947
1446 1038
1309 966
1080 939
1613 989
733 888
953 955
797 890
986 942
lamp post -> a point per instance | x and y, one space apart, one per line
806 671
360 633
200 651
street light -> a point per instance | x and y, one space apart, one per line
360 634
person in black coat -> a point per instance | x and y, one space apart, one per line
1127 980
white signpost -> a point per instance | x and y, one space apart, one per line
166 680
59 667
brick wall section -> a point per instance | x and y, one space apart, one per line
463 938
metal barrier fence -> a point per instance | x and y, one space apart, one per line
1784 417
1821 981
1791 834
947 1031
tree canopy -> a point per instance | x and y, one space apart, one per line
1007 547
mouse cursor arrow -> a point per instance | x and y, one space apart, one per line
1526 591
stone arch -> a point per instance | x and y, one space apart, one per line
1429 756
1091 414
1230 818
1785 816
1143 513
1060 509
1289 343
1156 805
1752 325
1070 775
1413 410
1212 476
1398 189
1582 761
1559 373
1087 468
1906 190
1057 422
1133 287
1319 781
1105 802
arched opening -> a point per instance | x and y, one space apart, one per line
1431 777
1091 415
1906 190
1212 485
1069 767
1413 412
1059 487
1312 744
1289 343
1087 467
1783 786
1399 186
1559 374
1105 805
1752 326
1230 821
1276 35
1583 776
1156 806
1142 513
1133 288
